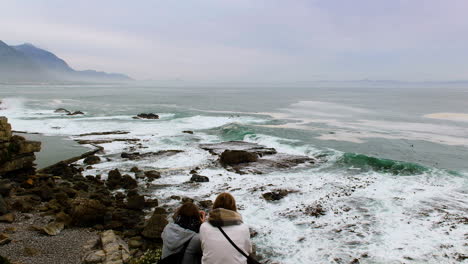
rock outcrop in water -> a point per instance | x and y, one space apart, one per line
245 157
16 153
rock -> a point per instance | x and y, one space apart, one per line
8 218
3 206
146 116
135 169
199 178
76 113
91 160
115 248
135 242
16 153
315 209
155 224
136 202
62 111
152 175
158 154
219 148
4 239
87 212
63 218
276 194
53 229
128 182
234 157
5 189
114 179
94 257
206 204
187 132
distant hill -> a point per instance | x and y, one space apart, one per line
27 63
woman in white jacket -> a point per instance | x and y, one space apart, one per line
216 248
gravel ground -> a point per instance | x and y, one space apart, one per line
32 247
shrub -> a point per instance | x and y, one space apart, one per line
151 256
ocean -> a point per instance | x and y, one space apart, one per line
393 176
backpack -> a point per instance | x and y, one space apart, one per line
175 258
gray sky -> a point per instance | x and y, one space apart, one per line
249 40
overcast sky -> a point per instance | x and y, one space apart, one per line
249 40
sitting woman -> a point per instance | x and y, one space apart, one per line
183 234
216 247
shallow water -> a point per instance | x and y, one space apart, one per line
394 185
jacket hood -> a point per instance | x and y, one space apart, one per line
174 236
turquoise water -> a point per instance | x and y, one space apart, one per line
393 176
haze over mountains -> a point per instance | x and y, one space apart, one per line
28 64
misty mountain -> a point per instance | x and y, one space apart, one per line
27 63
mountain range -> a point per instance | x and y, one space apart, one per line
28 64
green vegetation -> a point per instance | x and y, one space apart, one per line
150 257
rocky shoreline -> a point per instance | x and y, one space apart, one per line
94 219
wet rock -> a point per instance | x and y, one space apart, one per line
62 111
234 157
91 160
117 132
152 175
155 224
76 113
87 212
187 132
114 179
276 194
206 204
199 178
219 148
158 154
8 218
146 116
315 209
135 169
128 182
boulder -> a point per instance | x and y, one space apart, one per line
136 202
155 224
199 178
62 111
128 182
187 132
114 179
146 116
276 194
91 160
109 249
234 157
152 175
135 169
206 204
87 212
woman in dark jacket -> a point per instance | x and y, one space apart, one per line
187 221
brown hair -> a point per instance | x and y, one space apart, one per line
187 209
226 201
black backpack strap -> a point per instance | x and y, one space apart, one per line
249 258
